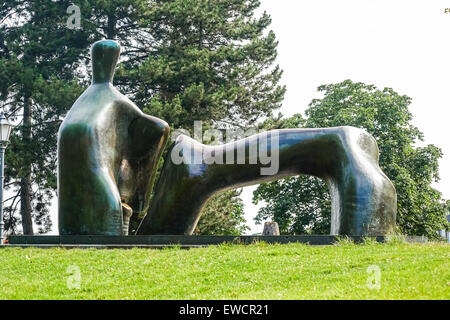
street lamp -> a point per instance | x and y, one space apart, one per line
5 130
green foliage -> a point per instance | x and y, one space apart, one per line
307 212
223 215
36 87
385 115
213 62
181 60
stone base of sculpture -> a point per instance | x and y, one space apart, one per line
161 241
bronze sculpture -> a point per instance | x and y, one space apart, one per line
108 151
364 201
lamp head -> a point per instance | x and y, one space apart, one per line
5 130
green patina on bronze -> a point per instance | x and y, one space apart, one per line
364 201
107 154
108 151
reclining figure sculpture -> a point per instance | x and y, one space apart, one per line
108 151
363 198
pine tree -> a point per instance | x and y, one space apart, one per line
42 72
35 84
213 61
181 61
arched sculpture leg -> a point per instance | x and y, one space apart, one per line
107 155
364 200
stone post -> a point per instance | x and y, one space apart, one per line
271 229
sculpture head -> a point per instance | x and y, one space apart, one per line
105 54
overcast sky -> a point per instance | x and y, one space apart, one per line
403 45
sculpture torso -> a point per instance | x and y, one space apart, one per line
100 119
100 159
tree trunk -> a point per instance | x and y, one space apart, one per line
111 27
25 182
25 206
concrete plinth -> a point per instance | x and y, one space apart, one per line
159 241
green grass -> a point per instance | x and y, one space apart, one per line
259 271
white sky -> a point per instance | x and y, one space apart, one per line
399 44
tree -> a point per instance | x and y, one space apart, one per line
223 215
43 73
36 71
213 61
181 61
385 115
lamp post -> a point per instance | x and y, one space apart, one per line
5 130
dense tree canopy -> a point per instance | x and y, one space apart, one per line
302 204
224 215
182 60
36 83
209 61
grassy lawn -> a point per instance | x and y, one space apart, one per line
259 271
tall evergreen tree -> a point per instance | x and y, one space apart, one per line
181 60
213 61
36 68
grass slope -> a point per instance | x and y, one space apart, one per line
259 271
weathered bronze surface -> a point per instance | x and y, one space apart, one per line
108 150
364 200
